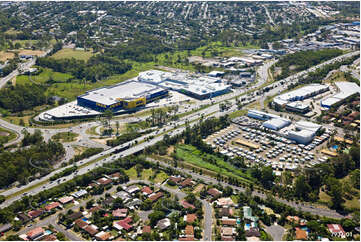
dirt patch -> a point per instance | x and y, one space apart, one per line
292 67
6 56
102 141
170 150
31 52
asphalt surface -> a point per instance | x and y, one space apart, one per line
52 219
210 111
275 231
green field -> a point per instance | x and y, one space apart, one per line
131 173
238 113
44 76
72 53
160 177
192 155
65 136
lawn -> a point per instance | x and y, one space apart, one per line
131 173
72 53
161 177
194 156
147 173
238 113
44 76
65 137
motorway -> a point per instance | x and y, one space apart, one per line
170 129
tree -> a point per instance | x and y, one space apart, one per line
267 176
155 217
302 188
117 127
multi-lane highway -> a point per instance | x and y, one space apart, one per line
212 110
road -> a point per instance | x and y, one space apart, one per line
52 219
275 231
170 129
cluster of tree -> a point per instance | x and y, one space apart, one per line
87 153
96 68
10 66
23 97
318 75
303 60
23 164
65 172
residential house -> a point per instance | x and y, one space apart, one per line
190 218
123 224
189 231
120 213
175 179
104 181
226 212
81 223
79 193
75 215
186 204
225 202
123 195
247 214
163 223
109 200
253 232
91 229
146 191
187 183
214 192
227 232
103 236
52 205
65 200
155 196
132 189
336 229
146 229
23 217
49 237
35 233
6 227
228 221
301 234
35 213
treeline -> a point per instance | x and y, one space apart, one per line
26 163
65 172
22 97
87 153
302 60
10 67
318 75
121 139
97 67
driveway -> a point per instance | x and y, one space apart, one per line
276 231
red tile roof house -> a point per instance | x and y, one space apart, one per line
65 200
336 230
35 213
103 236
104 181
228 221
154 197
214 192
91 229
123 224
81 223
187 182
52 206
190 218
146 229
189 231
177 180
120 213
35 233
186 204
146 191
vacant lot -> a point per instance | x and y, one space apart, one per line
192 155
44 77
71 53
6 56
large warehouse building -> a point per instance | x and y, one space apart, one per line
197 86
125 95
346 89
300 94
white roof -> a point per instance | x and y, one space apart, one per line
276 123
300 92
299 105
346 89
305 125
124 90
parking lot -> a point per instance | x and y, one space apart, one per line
259 145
